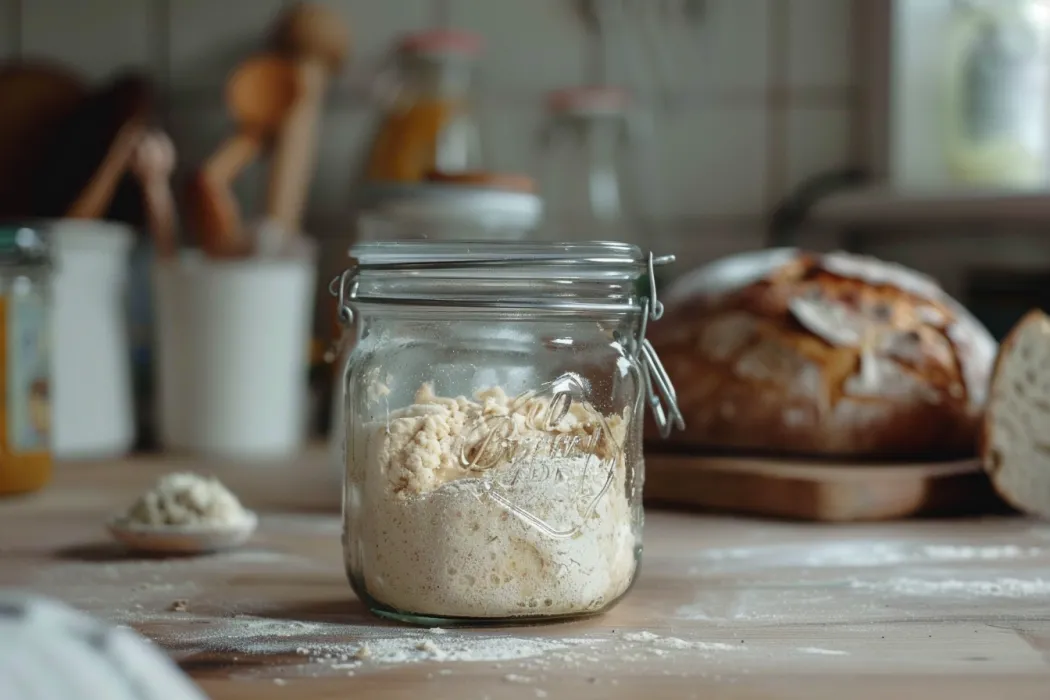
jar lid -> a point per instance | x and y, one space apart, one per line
556 277
517 280
442 42
594 99
23 245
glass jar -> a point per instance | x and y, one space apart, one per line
494 408
25 359
496 207
583 152
428 123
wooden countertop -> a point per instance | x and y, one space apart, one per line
724 608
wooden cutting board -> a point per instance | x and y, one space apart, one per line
821 491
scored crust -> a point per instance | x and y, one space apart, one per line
830 354
1015 435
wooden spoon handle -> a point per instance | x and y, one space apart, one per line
153 163
160 216
216 217
95 198
235 154
295 152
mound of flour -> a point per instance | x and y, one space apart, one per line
184 498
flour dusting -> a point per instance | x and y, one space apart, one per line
822 652
993 588
863 553
676 644
351 646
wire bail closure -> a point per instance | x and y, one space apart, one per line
344 288
659 390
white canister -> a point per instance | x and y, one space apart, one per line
232 339
93 405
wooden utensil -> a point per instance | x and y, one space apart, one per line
318 40
809 490
153 163
89 155
36 98
258 95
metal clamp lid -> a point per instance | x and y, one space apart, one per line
660 392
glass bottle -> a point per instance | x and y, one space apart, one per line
25 359
428 123
583 154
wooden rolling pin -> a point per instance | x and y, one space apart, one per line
318 40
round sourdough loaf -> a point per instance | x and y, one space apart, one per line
826 354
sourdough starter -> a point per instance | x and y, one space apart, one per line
496 507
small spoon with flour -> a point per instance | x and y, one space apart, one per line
184 513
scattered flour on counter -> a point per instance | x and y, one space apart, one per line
942 553
515 678
995 588
354 645
675 644
822 652
862 553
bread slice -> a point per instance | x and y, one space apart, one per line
1015 436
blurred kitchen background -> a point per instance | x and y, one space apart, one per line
737 123
750 96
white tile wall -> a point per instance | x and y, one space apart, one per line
725 51
732 47
345 136
818 140
530 46
714 147
9 29
511 134
97 37
207 38
714 159
820 44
